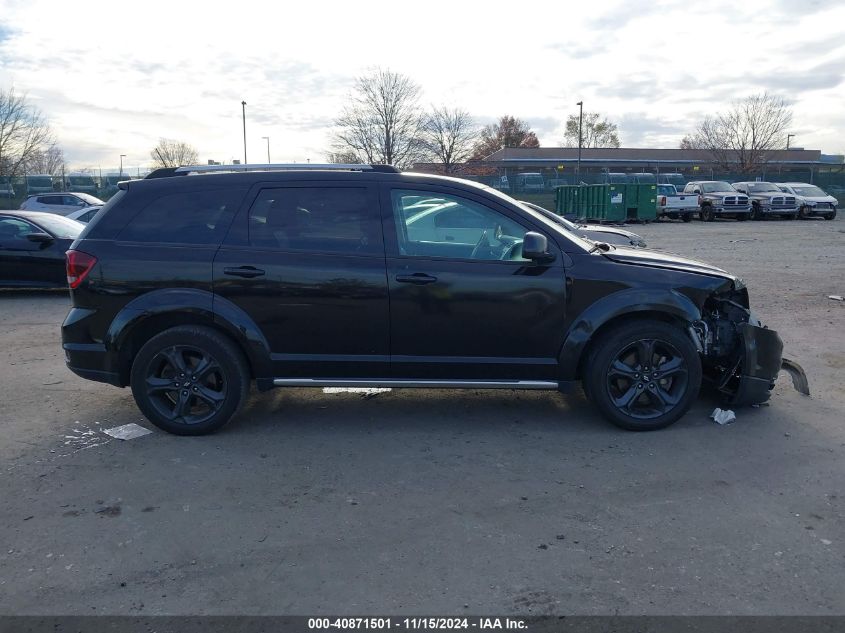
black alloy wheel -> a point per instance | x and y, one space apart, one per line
189 380
643 375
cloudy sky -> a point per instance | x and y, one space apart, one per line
113 77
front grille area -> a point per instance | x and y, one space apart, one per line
731 201
783 201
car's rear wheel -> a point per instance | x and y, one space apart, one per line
644 375
189 380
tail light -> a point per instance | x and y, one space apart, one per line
78 265
662 202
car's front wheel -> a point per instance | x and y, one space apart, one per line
830 216
189 380
643 375
706 213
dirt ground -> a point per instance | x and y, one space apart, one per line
439 502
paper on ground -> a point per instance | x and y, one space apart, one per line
723 416
355 389
127 431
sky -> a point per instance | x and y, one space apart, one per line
114 77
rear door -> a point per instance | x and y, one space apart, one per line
305 260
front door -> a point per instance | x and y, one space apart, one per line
16 262
464 304
306 263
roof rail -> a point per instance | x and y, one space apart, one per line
200 169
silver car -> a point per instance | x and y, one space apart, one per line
61 203
595 232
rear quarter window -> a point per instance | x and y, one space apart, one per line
198 217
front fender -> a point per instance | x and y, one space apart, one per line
206 307
624 302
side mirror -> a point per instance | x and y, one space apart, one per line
40 238
536 247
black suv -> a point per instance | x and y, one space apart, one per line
190 284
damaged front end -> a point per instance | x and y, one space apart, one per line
739 354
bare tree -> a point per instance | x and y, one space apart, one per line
382 122
172 153
449 135
343 157
506 132
595 132
23 133
743 137
47 161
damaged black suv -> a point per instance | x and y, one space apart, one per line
191 284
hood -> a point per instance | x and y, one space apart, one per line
654 259
722 194
830 199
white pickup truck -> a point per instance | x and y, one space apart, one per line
675 205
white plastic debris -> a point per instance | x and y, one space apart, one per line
127 431
723 416
836 297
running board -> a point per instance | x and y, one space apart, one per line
418 384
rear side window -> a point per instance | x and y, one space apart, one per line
316 219
200 217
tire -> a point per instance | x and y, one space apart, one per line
208 398
614 372
706 213
755 213
831 215
802 213
687 217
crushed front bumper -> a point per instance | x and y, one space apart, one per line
759 365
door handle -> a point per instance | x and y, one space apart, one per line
244 271
418 279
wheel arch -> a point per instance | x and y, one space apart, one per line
613 310
156 311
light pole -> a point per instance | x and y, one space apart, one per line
243 114
580 104
122 156
267 138
788 136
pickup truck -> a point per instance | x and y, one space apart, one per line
675 205
767 199
717 198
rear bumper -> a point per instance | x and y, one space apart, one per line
85 356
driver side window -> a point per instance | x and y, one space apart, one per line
442 225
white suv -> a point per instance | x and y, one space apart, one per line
812 200
61 203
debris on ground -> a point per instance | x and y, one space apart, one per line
836 297
127 431
723 417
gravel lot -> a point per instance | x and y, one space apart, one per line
438 502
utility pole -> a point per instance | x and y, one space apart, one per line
122 156
243 114
580 104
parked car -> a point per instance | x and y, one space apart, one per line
812 201
767 199
674 205
615 178
672 179
32 248
84 215
595 232
38 183
60 203
83 182
643 178
190 283
529 182
717 198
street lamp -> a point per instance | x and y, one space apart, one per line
788 136
122 156
580 104
243 114
267 138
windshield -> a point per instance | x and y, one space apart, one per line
710 187
550 223
89 199
60 226
762 187
809 191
